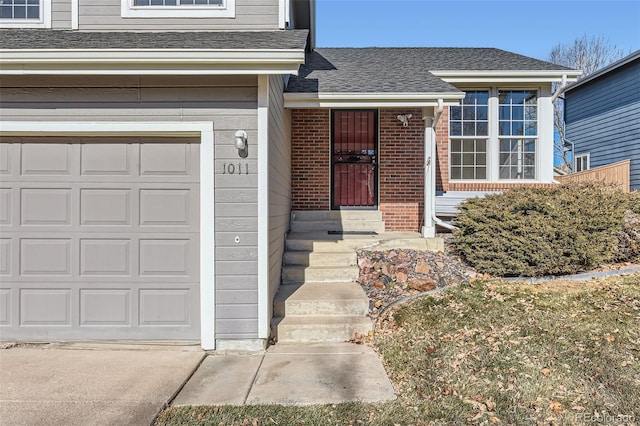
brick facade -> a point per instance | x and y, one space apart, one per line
400 165
401 169
310 159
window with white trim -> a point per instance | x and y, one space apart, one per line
178 8
25 13
493 135
469 132
518 130
581 163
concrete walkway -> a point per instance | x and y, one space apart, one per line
292 374
81 385
117 384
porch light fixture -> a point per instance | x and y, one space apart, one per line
404 118
241 143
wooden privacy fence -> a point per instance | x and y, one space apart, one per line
615 173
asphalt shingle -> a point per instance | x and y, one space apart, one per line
57 39
400 70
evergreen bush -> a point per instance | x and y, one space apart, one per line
561 230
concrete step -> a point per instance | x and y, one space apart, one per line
292 274
337 215
337 225
313 298
319 328
318 242
309 258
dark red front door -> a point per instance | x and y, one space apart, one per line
354 158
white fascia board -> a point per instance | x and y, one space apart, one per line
153 61
547 76
364 100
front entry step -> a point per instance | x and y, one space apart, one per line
320 328
319 299
338 220
312 298
293 274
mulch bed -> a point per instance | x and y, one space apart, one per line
390 275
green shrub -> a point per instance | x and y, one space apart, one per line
544 231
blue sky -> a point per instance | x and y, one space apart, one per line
530 28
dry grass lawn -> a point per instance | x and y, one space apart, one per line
559 353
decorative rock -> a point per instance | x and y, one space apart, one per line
401 276
387 269
422 284
422 267
414 272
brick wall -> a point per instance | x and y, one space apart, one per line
310 159
401 170
442 151
400 165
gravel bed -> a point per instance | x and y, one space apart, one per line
391 275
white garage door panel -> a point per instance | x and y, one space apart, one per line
100 240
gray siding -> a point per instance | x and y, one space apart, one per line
230 102
603 118
105 15
279 182
61 14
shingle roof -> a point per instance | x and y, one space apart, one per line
401 70
57 39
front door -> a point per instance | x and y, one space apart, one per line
354 159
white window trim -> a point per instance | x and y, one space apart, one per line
586 159
493 139
43 22
227 10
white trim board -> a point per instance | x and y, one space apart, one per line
203 129
150 61
263 207
227 10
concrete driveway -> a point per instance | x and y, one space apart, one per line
99 385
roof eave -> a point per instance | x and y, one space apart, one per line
150 61
611 67
370 100
508 76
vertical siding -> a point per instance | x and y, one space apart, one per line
250 15
61 14
230 102
279 182
603 118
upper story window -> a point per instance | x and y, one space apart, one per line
25 14
494 135
178 8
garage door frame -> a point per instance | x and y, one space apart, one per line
200 129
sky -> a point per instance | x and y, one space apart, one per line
531 28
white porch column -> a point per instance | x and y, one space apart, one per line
429 228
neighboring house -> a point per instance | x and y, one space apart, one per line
602 117
148 176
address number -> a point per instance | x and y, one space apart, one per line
235 168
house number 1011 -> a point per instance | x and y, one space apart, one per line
235 169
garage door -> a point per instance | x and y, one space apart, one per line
99 239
